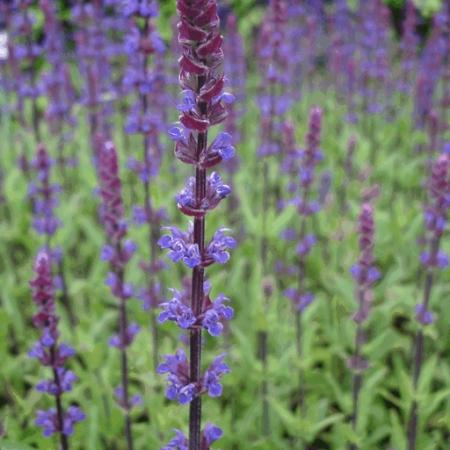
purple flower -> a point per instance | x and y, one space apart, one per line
218 312
220 243
424 316
178 386
181 247
212 433
49 353
211 379
66 380
187 101
44 194
73 415
223 145
300 300
121 343
305 245
215 192
179 442
135 400
178 312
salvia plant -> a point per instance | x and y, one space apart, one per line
26 51
93 62
235 67
52 354
365 274
44 195
203 104
57 85
432 259
146 118
409 47
117 251
431 68
273 103
307 203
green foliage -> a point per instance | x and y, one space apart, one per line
329 332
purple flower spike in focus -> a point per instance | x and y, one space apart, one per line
202 104
118 251
52 354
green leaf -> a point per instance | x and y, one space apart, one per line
8 445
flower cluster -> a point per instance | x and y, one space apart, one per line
235 67
179 386
25 54
273 53
210 434
57 82
182 247
214 312
364 271
215 192
44 195
50 353
374 68
203 104
409 46
308 159
93 59
435 215
146 117
431 68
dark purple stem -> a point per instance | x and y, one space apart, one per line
59 409
418 356
195 408
123 325
357 375
65 299
152 234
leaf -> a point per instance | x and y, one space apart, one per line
8 445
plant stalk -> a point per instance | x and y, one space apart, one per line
198 275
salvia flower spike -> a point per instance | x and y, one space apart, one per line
202 105
305 187
432 259
118 251
44 196
147 119
365 274
52 354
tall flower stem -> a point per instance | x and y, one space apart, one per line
435 214
357 375
118 252
52 354
301 166
418 358
203 105
145 118
365 274
123 326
